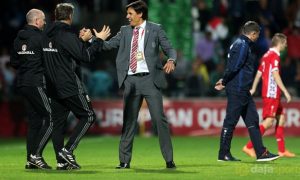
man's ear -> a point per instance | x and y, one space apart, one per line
140 15
36 22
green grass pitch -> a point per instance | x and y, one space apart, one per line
195 157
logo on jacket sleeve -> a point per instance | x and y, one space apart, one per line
24 47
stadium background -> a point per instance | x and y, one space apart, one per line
200 30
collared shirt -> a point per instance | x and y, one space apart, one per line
141 64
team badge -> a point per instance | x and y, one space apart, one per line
24 47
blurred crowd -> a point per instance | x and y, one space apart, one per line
216 23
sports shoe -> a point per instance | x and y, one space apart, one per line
123 166
69 157
267 156
30 166
66 166
286 153
249 152
170 165
38 162
227 157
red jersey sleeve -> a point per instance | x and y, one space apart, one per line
275 63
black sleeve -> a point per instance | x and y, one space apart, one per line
15 61
78 50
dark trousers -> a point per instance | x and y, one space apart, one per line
240 105
136 89
40 123
80 105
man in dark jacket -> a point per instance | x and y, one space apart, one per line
27 59
237 79
63 52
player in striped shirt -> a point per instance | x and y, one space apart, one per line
272 86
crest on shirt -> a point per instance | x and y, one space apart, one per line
24 47
276 62
50 48
24 50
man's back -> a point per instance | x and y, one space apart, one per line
60 66
269 63
239 71
27 57
63 52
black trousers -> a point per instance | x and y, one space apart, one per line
80 105
40 123
238 105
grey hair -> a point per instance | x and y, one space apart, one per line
32 15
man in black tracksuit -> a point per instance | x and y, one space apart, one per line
237 79
27 59
63 53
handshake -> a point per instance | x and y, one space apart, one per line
86 34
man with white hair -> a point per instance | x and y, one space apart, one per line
27 59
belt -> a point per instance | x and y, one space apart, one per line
140 74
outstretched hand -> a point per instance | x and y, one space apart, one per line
103 34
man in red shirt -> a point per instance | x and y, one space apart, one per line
272 85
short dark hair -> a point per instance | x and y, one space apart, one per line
139 7
63 11
249 27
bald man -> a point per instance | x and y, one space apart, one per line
27 59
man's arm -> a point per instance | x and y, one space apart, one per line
168 50
255 82
166 46
14 58
78 50
281 85
113 43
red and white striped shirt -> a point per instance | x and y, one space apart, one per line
270 62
